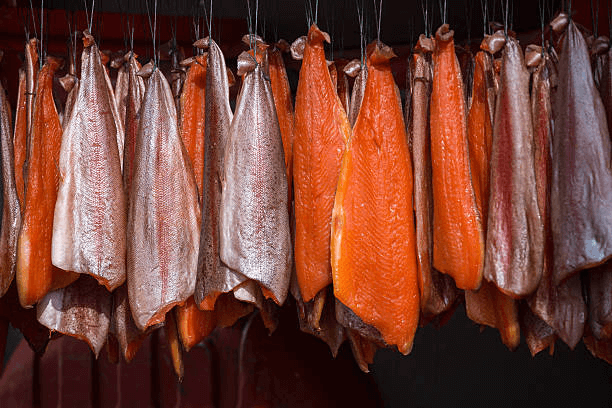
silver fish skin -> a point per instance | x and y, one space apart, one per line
11 211
357 94
80 310
121 90
119 128
214 277
164 214
31 75
515 231
254 221
90 213
122 325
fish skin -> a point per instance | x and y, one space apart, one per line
605 85
122 325
254 219
487 306
281 91
343 84
121 89
599 283
35 273
194 325
373 243
89 222
581 194
214 277
458 248
538 335
164 215
514 244
437 291
561 307
20 137
322 130
10 220
357 94
81 310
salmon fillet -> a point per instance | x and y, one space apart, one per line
373 242
164 216
458 248
35 273
89 224
321 133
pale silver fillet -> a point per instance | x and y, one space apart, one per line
119 132
214 277
90 213
11 211
254 220
121 89
164 214
81 310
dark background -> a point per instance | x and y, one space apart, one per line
457 365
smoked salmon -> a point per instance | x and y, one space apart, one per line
194 325
538 335
599 283
89 222
35 274
514 240
81 310
214 277
458 239
437 290
254 219
121 84
284 106
373 243
581 192
10 215
487 306
23 117
164 215
561 306
322 130
122 325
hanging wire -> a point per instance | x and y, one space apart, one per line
360 17
484 7
41 56
378 17
595 18
542 19
609 21
443 8
468 20
153 28
505 14
33 20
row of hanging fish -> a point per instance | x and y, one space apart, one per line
151 203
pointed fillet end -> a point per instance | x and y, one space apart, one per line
146 70
246 63
600 46
67 82
379 53
202 43
88 39
283 46
560 23
353 68
297 48
493 43
533 55
425 44
250 39
444 33
317 36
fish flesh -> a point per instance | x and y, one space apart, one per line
172 337
487 306
344 91
214 277
10 216
514 241
581 192
437 290
194 324
81 310
281 91
373 241
193 115
164 215
89 222
122 325
322 130
254 219
35 274
458 237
